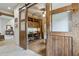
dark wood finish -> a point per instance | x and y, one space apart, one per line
41 29
22 39
31 4
2 37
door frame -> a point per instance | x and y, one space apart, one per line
27 20
20 10
28 5
73 8
26 24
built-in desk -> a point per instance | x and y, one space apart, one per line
1 37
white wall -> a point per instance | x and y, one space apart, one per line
4 22
60 22
16 15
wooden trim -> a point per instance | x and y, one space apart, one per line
60 34
24 6
62 9
48 19
19 27
73 7
31 5
24 45
26 25
1 13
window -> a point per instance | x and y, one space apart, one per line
60 22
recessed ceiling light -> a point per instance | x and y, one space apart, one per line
9 8
44 15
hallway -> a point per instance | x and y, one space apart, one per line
9 48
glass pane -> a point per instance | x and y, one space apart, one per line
23 15
23 26
60 22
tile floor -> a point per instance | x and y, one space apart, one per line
38 46
9 48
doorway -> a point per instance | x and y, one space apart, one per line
33 27
36 30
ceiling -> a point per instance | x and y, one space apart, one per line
59 5
37 11
4 7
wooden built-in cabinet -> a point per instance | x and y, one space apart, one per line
34 23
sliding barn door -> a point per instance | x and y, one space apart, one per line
58 43
22 32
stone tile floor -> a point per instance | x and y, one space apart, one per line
10 48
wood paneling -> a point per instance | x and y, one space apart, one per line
23 43
60 44
60 34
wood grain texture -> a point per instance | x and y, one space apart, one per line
73 7
23 33
23 39
60 45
